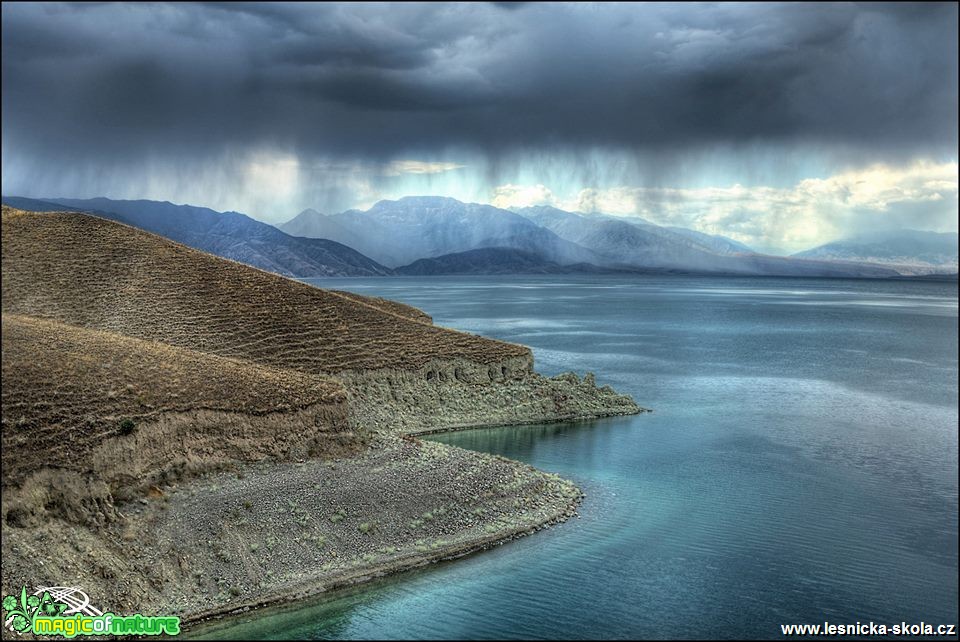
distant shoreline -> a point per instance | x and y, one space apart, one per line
945 278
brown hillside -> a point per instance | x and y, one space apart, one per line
393 307
68 391
96 273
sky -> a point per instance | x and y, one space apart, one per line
783 126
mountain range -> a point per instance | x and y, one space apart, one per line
399 232
428 235
230 235
903 248
443 236
635 241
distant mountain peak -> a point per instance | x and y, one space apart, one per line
419 201
398 232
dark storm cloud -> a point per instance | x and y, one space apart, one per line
181 81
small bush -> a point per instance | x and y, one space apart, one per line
127 426
365 527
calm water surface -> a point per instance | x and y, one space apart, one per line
800 465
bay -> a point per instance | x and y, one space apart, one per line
800 464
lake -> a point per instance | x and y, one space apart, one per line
800 464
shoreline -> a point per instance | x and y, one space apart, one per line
260 534
528 422
360 577
410 560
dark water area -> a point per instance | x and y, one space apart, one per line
800 464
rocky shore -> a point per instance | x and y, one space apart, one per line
456 394
264 533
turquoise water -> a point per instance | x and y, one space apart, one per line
800 465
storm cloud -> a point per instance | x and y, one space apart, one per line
98 95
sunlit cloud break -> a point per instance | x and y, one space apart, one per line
921 195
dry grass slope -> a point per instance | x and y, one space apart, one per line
95 273
68 390
393 307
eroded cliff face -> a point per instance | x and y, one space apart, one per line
452 394
173 448
176 447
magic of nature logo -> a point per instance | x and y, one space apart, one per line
66 611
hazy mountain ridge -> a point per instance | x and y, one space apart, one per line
228 234
717 242
714 243
400 232
909 248
312 224
618 240
640 244
463 238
